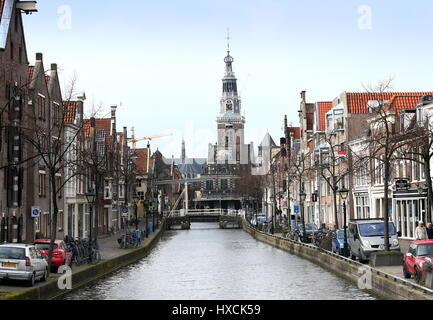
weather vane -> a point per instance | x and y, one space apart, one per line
228 39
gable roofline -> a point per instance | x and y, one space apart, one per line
6 11
7 7
37 72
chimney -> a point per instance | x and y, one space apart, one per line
39 56
303 96
54 67
113 111
113 122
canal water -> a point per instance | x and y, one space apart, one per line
207 263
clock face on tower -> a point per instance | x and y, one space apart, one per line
229 106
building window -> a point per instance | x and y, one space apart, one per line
42 184
100 147
107 190
57 114
100 134
209 185
415 167
12 51
362 207
121 191
60 220
40 105
59 186
238 149
224 184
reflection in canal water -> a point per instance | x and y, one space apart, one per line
207 263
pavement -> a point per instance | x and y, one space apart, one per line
396 271
108 247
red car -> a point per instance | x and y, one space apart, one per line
419 251
61 256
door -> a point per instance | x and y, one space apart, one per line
36 262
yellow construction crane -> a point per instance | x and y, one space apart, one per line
134 140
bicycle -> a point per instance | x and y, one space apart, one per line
94 253
77 254
128 242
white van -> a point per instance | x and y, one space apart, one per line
367 236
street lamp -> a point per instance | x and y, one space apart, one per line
135 199
302 197
91 197
272 198
145 209
343 194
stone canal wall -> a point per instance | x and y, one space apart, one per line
84 276
383 285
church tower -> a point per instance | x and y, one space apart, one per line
229 157
230 122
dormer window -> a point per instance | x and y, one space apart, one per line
375 105
339 124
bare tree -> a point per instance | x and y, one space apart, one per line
384 142
42 138
332 166
301 166
250 186
419 150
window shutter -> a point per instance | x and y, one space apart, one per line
20 186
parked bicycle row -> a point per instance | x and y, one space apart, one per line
83 250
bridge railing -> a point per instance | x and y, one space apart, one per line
204 212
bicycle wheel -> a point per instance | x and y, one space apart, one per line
76 260
96 256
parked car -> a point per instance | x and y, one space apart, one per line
22 262
367 236
419 251
61 255
310 232
338 242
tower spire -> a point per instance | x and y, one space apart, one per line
228 40
228 59
183 151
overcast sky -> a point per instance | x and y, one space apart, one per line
163 60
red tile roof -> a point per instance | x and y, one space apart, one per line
30 71
323 108
401 102
70 109
357 102
100 124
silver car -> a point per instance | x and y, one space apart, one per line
367 236
22 262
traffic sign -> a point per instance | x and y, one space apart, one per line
124 211
36 212
296 208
